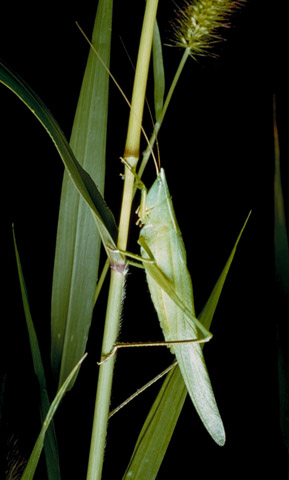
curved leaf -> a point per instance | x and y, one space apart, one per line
81 179
36 452
50 447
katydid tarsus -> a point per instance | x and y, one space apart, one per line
164 259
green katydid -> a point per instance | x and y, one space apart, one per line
161 234
164 259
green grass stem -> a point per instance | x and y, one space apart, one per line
158 124
102 403
132 145
114 304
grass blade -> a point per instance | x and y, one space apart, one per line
51 451
159 91
281 238
36 452
158 428
78 242
282 277
81 179
208 311
159 73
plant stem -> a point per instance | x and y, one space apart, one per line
132 145
117 280
180 68
158 124
105 377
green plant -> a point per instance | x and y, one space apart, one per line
282 284
73 293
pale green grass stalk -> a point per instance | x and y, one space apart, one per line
118 271
163 111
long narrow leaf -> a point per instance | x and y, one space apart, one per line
36 452
78 242
51 451
81 179
159 73
208 311
282 276
159 426
281 237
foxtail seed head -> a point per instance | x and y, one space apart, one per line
198 21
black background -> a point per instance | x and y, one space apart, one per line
216 146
